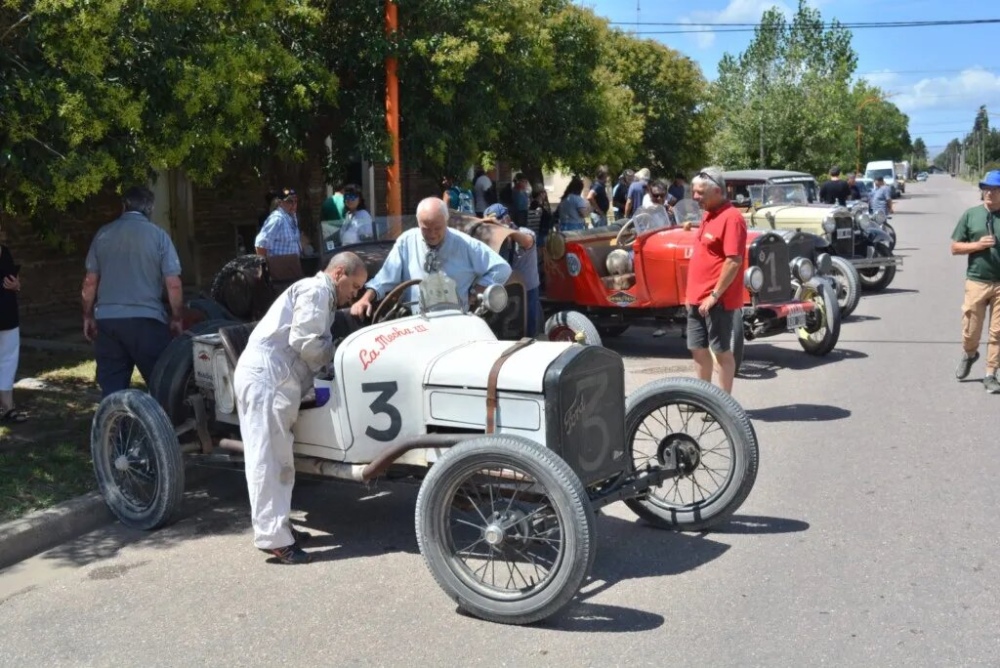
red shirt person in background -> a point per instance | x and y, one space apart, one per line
713 293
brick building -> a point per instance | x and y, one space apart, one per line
204 222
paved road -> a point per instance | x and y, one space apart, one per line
869 539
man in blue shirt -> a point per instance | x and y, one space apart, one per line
433 246
130 262
881 199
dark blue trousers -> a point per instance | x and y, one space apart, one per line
126 343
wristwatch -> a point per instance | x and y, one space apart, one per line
715 295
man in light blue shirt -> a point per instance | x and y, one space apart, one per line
433 246
881 199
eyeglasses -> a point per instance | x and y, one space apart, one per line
351 197
656 195
706 175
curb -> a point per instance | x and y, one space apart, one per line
43 530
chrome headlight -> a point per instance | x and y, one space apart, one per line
803 269
824 263
828 224
880 217
864 220
495 298
753 279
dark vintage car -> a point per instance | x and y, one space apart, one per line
861 248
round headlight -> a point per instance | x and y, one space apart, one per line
880 217
828 224
753 279
803 269
864 221
495 297
824 263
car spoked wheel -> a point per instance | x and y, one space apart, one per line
137 460
695 427
822 329
848 285
506 529
877 278
573 327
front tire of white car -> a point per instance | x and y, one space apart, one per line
506 529
572 326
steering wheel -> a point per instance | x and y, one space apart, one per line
388 305
629 226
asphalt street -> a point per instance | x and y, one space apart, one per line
869 539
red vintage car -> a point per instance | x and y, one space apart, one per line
598 282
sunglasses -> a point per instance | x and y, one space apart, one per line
708 176
657 195
352 197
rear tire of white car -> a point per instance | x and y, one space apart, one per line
848 285
822 341
137 460
693 414
569 325
462 495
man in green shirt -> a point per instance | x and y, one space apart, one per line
975 236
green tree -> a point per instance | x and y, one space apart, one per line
670 94
99 93
919 155
781 102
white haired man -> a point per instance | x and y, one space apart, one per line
433 247
290 344
713 292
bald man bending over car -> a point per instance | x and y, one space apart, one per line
430 248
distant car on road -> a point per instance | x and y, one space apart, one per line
922 176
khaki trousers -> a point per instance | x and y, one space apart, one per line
978 296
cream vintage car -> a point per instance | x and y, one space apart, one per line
862 252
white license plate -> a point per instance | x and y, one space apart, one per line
796 320
845 233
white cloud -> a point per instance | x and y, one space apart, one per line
881 78
971 88
737 11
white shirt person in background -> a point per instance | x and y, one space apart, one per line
357 225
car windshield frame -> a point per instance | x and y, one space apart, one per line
778 194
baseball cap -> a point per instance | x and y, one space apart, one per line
991 180
497 211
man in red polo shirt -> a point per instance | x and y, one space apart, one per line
713 293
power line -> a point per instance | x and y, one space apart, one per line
752 27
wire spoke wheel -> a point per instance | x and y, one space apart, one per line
137 459
506 528
698 430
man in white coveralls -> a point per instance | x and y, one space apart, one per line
290 344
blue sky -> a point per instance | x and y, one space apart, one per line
939 75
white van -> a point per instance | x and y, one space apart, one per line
887 170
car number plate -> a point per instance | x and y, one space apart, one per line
796 320
845 233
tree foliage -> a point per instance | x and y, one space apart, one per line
789 102
96 93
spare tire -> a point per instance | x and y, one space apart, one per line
212 309
243 287
173 376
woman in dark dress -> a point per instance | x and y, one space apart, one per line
10 336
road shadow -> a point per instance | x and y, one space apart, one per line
632 550
763 361
799 413
861 318
215 503
889 291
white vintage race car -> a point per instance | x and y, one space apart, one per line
514 445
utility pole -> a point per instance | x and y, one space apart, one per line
393 174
